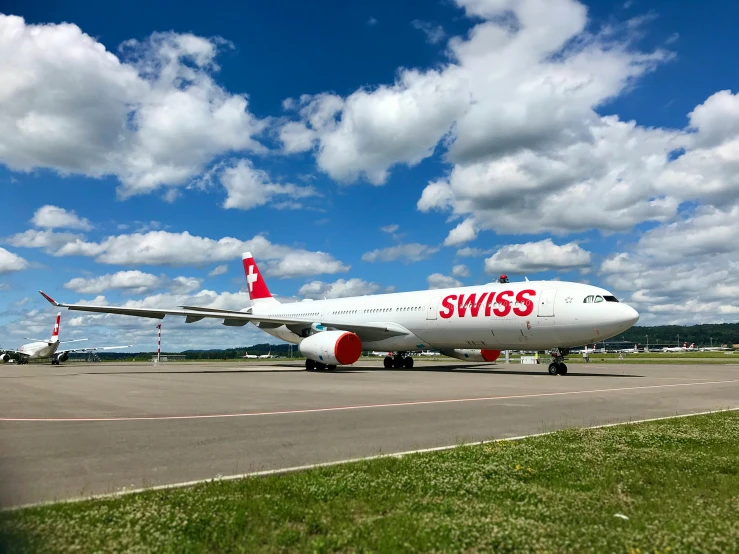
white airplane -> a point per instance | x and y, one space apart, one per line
530 315
683 348
247 355
634 350
267 356
41 348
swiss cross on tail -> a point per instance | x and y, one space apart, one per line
55 332
257 287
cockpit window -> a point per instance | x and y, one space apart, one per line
588 300
610 299
598 299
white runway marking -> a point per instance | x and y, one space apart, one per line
358 407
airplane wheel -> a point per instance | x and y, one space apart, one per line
553 369
563 369
397 362
331 367
310 365
320 367
388 362
408 363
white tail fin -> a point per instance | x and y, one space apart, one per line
55 332
258 291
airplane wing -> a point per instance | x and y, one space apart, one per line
14 352
93 349
365 331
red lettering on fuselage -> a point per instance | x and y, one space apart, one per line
505 305
472 303
528 304
489 305
448 306
475 308
522 306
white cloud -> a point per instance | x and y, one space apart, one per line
50 241
182 285
218 270
152 116
684 272
439 281
469 252
302 263
390 229
338 289
53 217
11 262
464 232
372 22
434 33
183 249
505 87
537 256
248 187
130 282
368 132
461 270
407 253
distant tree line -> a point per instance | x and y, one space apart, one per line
702 335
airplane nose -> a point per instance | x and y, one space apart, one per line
631 316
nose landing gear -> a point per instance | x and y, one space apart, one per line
558 366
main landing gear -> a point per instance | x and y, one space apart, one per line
557 367
311 365
398 361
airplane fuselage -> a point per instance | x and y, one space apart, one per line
38 350
526 315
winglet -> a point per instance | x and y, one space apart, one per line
49 298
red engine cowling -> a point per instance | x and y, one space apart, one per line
473 355
332 347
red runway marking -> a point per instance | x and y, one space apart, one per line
359 407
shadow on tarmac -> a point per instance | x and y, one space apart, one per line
284 368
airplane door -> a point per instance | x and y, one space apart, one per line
431 311
546 303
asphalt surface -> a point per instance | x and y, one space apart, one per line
79 429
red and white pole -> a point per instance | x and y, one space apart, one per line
159 341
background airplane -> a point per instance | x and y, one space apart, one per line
250 356
496 316
683 348
41 349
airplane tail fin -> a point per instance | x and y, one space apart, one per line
55 332
258 291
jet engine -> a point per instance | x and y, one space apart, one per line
332 348
4 357
63 357
472 355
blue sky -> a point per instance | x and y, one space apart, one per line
588 142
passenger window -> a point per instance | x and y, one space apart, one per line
588 300
598 299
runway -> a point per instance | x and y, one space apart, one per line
79 429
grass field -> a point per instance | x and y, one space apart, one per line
665 486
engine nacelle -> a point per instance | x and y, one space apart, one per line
62 357
4 357
332 347
472 355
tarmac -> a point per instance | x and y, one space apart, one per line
81 428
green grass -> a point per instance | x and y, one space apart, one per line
676 480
